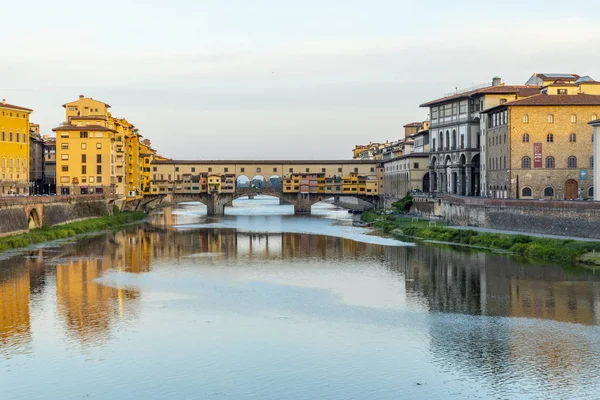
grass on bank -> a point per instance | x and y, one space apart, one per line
68 230
562 250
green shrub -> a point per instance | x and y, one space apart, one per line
68 230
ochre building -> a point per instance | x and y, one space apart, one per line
14 149
542 146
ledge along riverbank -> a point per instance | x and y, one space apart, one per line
559 250
46 234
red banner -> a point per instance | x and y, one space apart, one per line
537 155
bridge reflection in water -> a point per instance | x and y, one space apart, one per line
429 278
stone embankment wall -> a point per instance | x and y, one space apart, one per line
18 214
567 218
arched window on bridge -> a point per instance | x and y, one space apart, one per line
259 182
242 181
275 182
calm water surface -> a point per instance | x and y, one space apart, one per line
261 304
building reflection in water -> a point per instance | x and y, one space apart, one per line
436 278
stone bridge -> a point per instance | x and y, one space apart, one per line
19 214
216 202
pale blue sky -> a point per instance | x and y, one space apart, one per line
278 79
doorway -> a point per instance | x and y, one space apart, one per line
571 189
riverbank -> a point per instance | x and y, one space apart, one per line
69 230
559 250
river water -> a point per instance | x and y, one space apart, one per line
261 304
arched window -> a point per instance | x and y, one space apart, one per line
3 136
550 162
549 192
447 144
591 192
572 162
594 117
18 163
549 138
18 137
573 118
525 162
3 162
11 163
526 138
525 119
572 137
24 164
592 162
526 192
550 118
10 136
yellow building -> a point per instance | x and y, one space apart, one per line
147 154
214 183
542 146
132 166
99 153
14 149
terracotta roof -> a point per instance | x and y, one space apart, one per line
553 100
13 107
521 90
547 76
83 128
405 156
81 98
413 125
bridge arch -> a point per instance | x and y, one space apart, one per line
259 182
275 182
33 219
242 181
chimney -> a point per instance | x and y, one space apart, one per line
3 101
80 96
496 81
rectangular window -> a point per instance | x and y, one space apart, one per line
99 179
83 158
64 146
99 158
65 168
83 135
416 165
83 146
355 169
562 91
91 179
257 169
372 169
226 169
98 145
291 169
307 169
176 169
98 169
83 169
340 170
323 170
209 169
64 156
274 169
98 134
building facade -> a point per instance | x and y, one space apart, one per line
37 161
14 149
49 164
596 125
542 146
405 174
455 135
